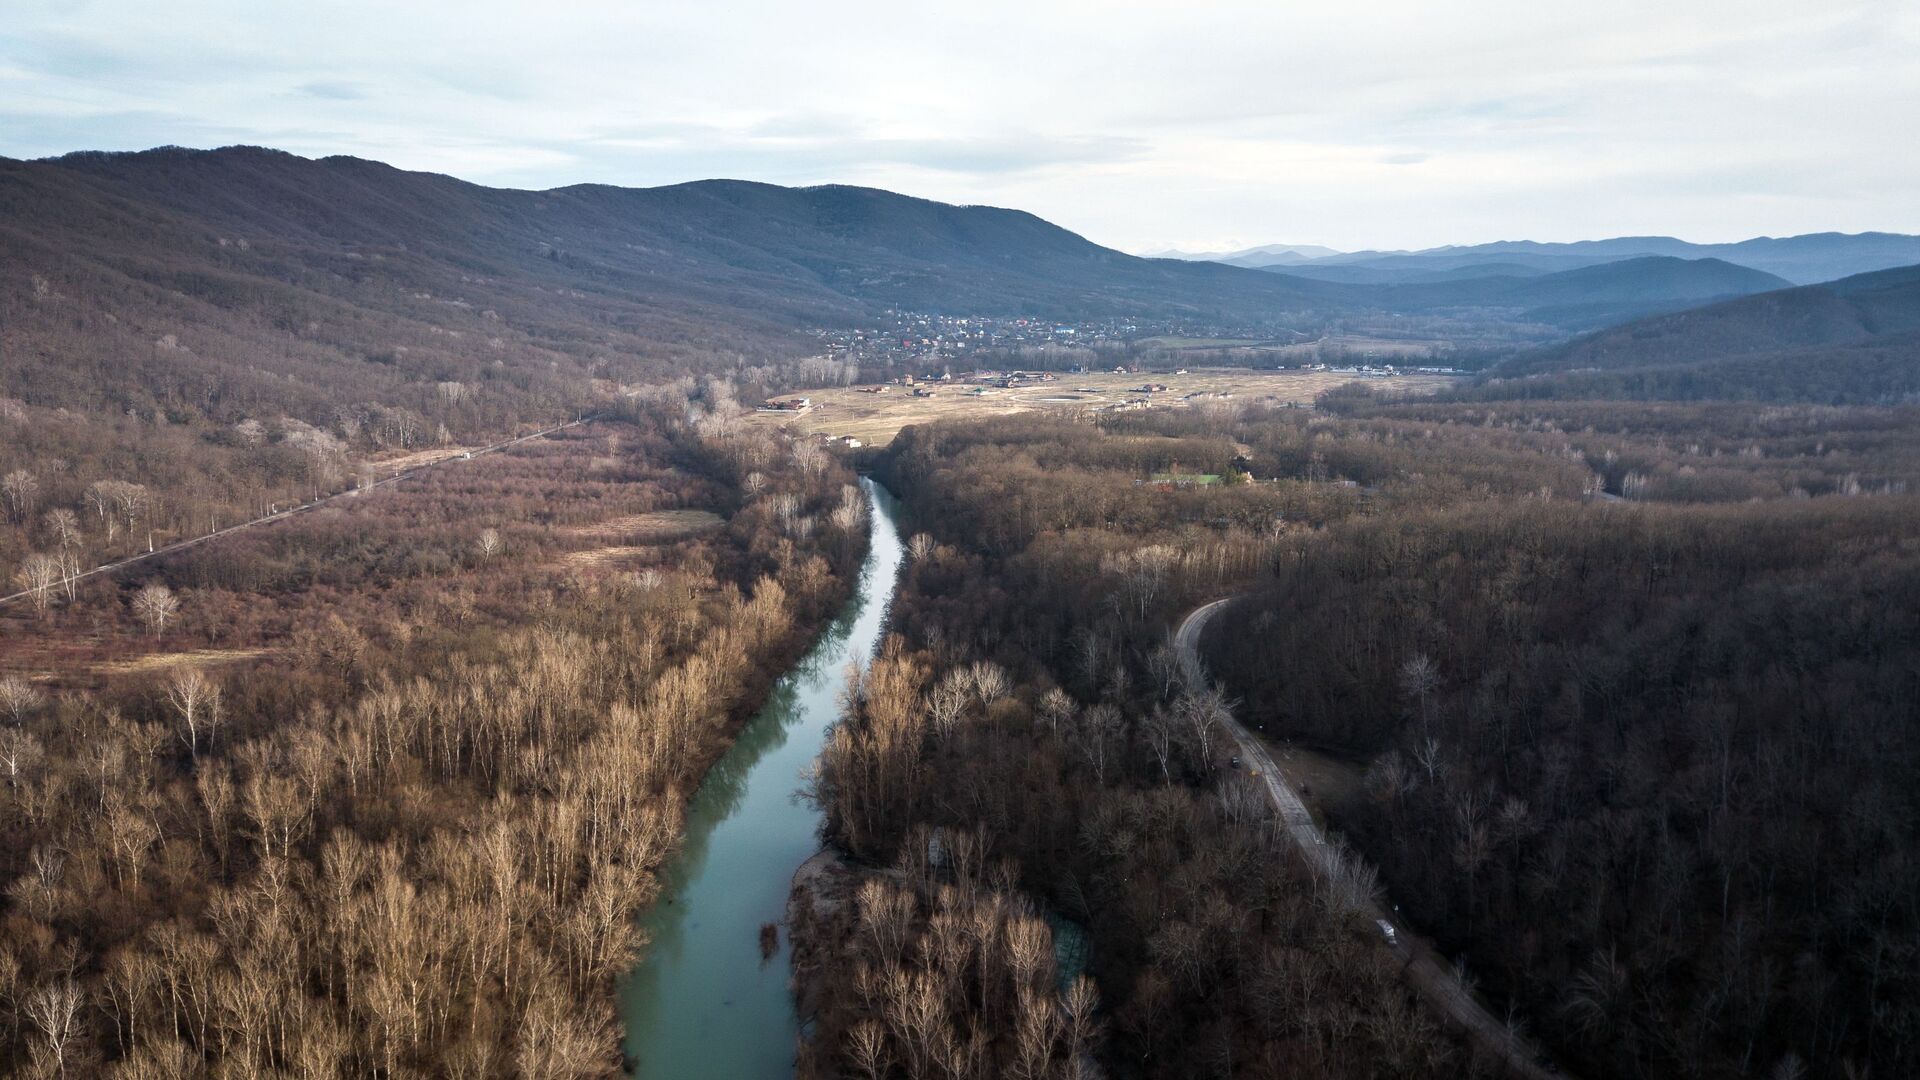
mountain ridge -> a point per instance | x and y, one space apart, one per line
1851 341
1802 259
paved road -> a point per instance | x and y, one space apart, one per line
1430 975
181 545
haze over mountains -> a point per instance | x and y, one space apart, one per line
1802 260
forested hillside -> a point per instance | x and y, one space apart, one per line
1595 295
1647 762
220 282
224 285
1853 341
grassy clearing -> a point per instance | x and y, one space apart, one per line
653 527
594 558
167 661
402 462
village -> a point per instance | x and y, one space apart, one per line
989 349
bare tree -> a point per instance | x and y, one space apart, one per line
809 455
19 698
1099 724
63 525
1080 1003
38 574
1205 713
100 501
156 606
867 1045
1143 575
786 506
132 502
947 701
489 544
1160 729
850 513
989 681
19 753
921 547
1057 708
195 698
20 490
1418 680
1344 882
55 1010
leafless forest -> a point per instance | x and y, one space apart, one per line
1631 685
378 790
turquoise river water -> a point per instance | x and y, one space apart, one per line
702 1003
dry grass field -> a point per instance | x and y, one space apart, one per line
875 418
167 661
652 527
400 462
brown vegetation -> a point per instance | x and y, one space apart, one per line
1632 682
416 850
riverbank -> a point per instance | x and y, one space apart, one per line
822 888
705 999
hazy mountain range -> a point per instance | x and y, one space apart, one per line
1801 260
1852 341
185 276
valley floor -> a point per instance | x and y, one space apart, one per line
875 418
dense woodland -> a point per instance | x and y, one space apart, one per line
1025 744
1630 685
417 848
1649 761
1654 773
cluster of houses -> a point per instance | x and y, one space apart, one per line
908 338
1381 371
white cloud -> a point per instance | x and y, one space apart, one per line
1400 123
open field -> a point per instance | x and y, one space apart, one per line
651 527
875 418
432 456
167 661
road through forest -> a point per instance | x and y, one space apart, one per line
1435 979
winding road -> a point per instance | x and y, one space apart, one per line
1430 975
181 545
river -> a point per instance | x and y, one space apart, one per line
702 1002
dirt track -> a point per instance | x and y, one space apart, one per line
181 545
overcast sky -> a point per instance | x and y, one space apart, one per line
1193 124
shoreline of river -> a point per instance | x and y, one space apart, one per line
822 887
704 999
